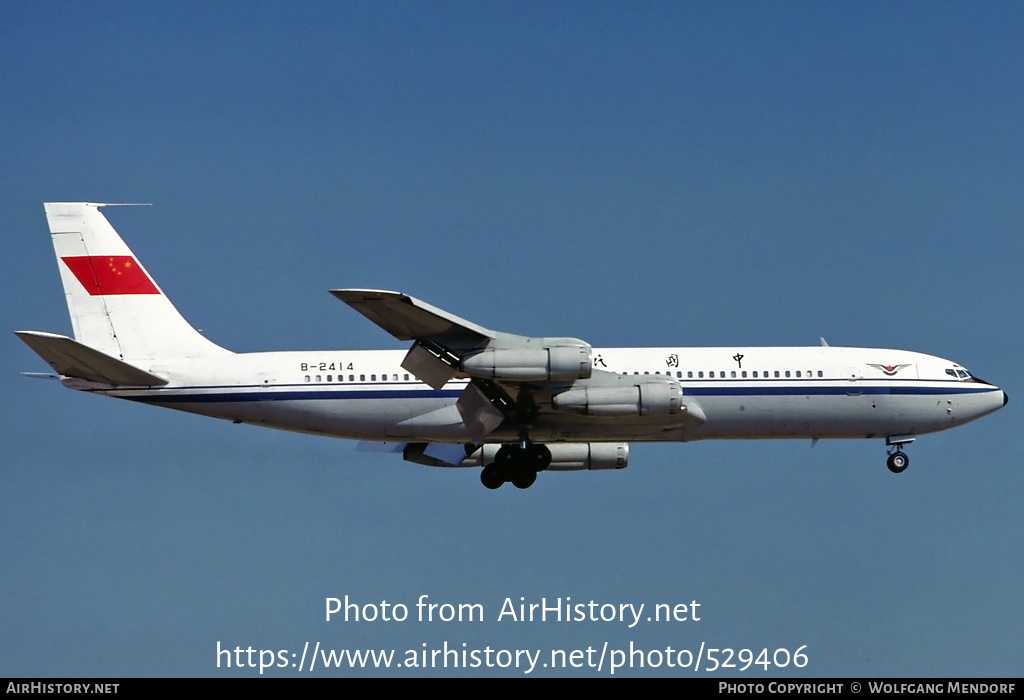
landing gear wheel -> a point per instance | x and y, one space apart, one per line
523 478
897 462
492 476
516 463
506 457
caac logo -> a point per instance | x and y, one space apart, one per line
888 370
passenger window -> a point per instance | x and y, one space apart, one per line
329 378
307 378
744 375
798 373
733 374
787 372
776 373
318 377
362 377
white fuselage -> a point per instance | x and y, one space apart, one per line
745 393
465 395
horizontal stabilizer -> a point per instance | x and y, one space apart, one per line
73 359
408 318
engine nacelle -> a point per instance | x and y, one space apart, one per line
565 456
644 399
568 456
564 363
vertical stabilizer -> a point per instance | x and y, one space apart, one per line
115 306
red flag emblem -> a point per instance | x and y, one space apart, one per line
110 274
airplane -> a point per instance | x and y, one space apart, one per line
464 395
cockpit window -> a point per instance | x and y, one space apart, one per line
962 374
958 374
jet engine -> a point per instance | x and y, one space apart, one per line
570 456
642 399
565 456
565 363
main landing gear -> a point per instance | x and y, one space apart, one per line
516 463
898 459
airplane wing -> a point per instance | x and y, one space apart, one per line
441 338
513 378
408 318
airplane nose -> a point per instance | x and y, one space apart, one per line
1006 398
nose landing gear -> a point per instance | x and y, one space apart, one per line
898 460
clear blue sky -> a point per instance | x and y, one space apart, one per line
631 174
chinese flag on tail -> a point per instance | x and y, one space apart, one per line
110 274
